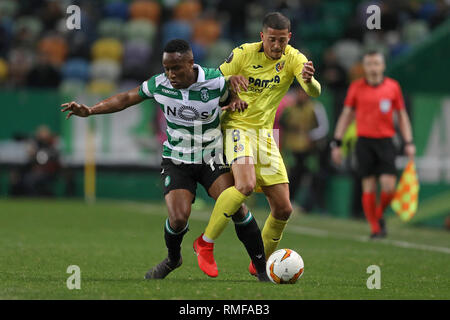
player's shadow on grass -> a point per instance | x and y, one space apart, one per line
113 280
182 281
178 280
211 280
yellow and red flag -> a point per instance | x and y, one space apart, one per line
406 196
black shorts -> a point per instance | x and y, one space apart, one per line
375 156
186 175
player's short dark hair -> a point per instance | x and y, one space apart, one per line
373 52
177 45
276 20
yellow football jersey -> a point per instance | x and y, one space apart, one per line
269 80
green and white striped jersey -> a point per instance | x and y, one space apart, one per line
192 114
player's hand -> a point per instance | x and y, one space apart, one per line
77 109
238 82
236 105
308 71
410 150
336 155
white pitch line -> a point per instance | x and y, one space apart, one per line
396 243
204 216
405 244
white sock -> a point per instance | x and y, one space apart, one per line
206 239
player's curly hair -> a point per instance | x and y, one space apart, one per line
177 45
276 20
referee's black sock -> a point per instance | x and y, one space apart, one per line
173 241
248 232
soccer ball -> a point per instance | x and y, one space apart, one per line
284 266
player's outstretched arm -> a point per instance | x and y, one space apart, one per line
230 100
235 103
309 84
237 82
115 103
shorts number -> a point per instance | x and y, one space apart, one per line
236 135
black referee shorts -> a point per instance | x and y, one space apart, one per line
375 156
186 175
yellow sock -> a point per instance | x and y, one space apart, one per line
226 205
272 234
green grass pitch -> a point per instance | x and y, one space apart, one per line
114 243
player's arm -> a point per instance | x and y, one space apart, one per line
115 103
406 131
237 82
304 71
309 84
346 117
229 100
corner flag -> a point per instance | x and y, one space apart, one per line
406 198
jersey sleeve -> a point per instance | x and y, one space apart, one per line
234 62
297 63
312 88
147 88
399 102
222 87
350 99
225 94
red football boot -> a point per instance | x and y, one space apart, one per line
252 269
205 256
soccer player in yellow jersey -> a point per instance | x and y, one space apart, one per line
264 70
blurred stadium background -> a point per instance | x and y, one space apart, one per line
119 45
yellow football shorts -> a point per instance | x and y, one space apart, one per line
261 146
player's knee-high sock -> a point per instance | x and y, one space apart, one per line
369 205
248 232
272 234
173 241
385 200
226 205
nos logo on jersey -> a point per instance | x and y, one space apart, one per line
385 105
187 113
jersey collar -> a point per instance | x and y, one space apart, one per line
201 73
262 48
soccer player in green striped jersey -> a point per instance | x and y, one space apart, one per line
192 99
